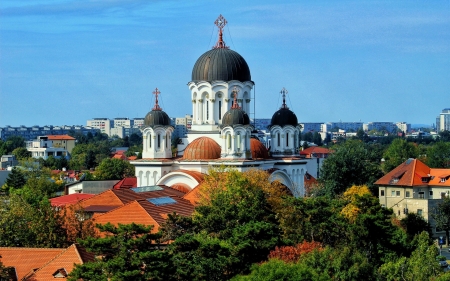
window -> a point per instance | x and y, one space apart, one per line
381 192
431 194
287 139
393 193
407 194
421 195
397 193
419 212
220 110
207 110
159 141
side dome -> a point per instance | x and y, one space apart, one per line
235 116
258 149
284 117
203 148
157 117
221 64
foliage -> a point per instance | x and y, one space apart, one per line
422 264
15 180
441 215
56 163
351 210
77 224
21 153
397 153
128 252
114 169
11 143
294 253
415 224
438 155
7 273
89 155
25 225
352 163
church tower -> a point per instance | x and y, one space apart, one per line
157 133
214 76
284 131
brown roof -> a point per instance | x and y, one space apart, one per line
126 183
258 149
69 199
411 173
315 150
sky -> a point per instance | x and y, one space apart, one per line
63 62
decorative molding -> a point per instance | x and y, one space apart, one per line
247 100
212 100
219 95
194 101
226 100
200 100
207 96
239 100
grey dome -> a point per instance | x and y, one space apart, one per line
235 116
157 117
283 117
221 64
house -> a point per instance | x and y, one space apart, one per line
39 264
414 187
51 145
89 186
8 161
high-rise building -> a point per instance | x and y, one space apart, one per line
443 120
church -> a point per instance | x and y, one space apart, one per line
221 133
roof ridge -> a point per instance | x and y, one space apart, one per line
45 264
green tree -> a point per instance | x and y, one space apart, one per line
397 153
128 252
441 215
438 155
444 135
15 180
317 139
421 265
415 224
114 169
11 143
21 153
352 163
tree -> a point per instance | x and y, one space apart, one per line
317 139
21 153
441 215
352 163
15 180
12 143
114 169
422 264
128 252
438 155
415 224
397 153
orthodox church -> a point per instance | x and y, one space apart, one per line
221 133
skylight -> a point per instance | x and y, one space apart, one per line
146 188
161 201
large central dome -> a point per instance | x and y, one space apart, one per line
221 64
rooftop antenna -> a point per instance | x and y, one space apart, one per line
220 23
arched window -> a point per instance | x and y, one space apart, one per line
287 139
167 140
220 110
278 138
238 140
207 110
229 141
159 140
150 140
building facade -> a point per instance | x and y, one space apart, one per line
443 120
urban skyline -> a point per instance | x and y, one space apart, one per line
64 62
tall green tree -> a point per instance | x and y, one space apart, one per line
351 163
21 153
114 169
15 180
438 155
397 153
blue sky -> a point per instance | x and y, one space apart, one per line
63 62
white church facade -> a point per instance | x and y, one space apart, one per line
221 133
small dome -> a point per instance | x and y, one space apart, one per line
157 117
258 149
235 116
284 117
221 64
203 148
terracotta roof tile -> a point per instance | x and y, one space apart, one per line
60 137
69 199
126 183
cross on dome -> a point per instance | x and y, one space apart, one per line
156 92
220 23
235 94
284 92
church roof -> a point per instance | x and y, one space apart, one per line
202 148
258 149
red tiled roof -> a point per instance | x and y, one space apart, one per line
316 150
412 172
258 149
66 260
60 137
69 199
203 148
26 259
132 158
126 183
143 212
